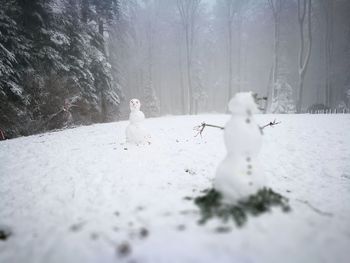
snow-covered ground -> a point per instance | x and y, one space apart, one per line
82 195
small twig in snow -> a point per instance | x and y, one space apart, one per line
315 209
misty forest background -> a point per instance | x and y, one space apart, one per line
73 62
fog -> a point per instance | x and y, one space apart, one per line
181 57
77 62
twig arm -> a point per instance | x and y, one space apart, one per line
200 128
269 124
214 126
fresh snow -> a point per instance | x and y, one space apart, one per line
79 196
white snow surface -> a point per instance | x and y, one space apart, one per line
77 195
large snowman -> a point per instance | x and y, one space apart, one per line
135 132
238 175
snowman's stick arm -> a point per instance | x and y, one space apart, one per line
269 124
214 126
200 128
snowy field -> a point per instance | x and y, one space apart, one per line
82 195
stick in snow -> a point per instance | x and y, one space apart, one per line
315 209
200 128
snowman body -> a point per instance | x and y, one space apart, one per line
135 131
239 174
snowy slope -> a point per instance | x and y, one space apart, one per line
79 196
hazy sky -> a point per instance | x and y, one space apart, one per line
209 2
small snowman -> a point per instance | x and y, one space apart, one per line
238 175
135 132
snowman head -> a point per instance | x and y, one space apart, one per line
243 103
135 105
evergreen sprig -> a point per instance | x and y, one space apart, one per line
211 205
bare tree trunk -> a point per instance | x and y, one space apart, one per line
276 7
182 86
304 10
150 59
232 9
230 13
189 66
268 94
230 72
188 11
328 6
239 45
196 107
103 117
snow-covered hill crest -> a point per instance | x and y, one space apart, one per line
83 195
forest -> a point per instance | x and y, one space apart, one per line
76 62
